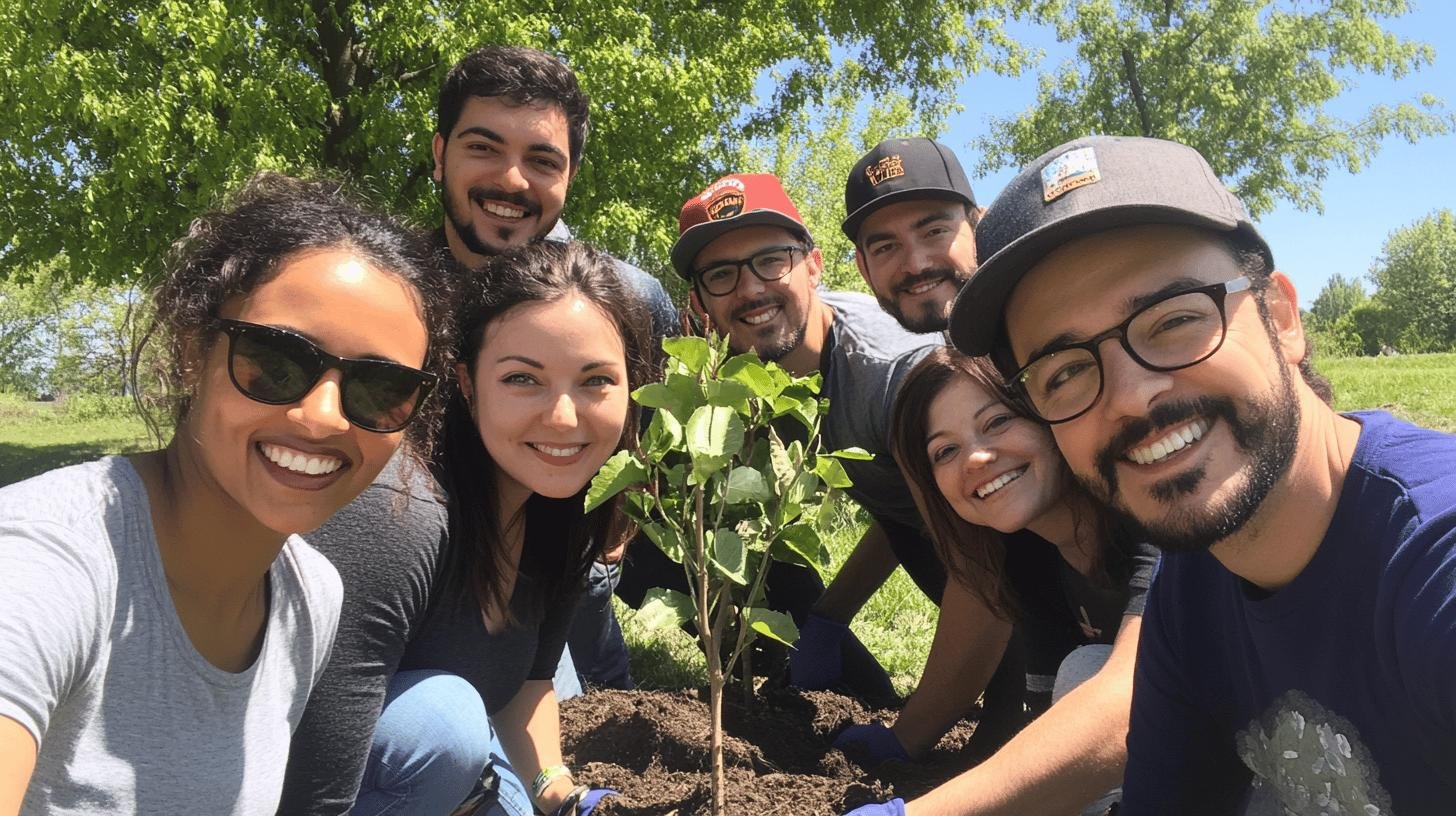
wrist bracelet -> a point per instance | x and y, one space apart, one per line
543 780
568 805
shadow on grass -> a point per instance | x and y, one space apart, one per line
20 462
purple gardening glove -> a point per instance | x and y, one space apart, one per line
870 744
592 798
894 807
814 663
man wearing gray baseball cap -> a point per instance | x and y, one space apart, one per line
1299 641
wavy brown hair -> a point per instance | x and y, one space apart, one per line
561 539
973 554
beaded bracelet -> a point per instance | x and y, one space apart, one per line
543 780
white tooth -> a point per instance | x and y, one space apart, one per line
313 467
1198 430
1186 435
285 458
1176 440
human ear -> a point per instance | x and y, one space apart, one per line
1283 305
467 387
816 267
437 147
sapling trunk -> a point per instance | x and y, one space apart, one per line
711 633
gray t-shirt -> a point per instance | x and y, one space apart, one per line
128 716
866 356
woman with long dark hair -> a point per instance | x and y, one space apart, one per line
163 621
551 344
1013 525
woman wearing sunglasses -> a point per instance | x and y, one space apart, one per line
1013 525
163 623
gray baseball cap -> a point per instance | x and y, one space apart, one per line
1085 186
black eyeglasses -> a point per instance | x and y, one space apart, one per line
1177 331
769 264
276 367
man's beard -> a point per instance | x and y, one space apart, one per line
929 317
786 344
465 226
1266 430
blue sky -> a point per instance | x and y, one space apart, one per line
1400 185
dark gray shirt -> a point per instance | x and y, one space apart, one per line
865 358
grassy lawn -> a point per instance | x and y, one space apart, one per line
897 623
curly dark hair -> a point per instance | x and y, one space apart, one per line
523 75
561 539
237 247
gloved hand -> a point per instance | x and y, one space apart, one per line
870 744
814 663
894 807
592 798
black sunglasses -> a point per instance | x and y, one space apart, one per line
276 367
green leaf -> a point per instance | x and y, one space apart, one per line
678 393
728 393
664 433
800 544
692 352
746 484
769 623
619 472
832 472
729 555
666 540
763 381
665 608
779 460
714 434
855 453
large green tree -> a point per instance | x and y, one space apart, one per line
1415 276
1246 82
120 120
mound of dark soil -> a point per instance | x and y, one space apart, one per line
653 746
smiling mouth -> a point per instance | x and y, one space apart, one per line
503 210
922 287
999 482
561 452
1169 444
761 317
297 461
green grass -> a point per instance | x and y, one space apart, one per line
38 436
1417 387
898 622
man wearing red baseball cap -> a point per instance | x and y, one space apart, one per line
755 277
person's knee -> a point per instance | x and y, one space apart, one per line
436 725
1077 667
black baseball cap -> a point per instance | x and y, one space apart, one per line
902 170
1085 186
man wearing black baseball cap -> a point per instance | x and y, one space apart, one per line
755 277
912 218
1299 642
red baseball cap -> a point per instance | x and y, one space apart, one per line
740 200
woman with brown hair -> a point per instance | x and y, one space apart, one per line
1012 525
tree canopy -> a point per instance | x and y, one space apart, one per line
121 120
1246 82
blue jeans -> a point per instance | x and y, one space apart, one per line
434 744
595 637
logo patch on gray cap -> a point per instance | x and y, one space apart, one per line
1071 170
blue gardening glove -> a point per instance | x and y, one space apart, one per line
592 798
815 663
894 807
870 744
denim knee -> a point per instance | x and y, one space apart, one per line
430 746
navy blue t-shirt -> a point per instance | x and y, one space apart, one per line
1335 694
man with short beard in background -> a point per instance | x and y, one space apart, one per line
1299 640
911 216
